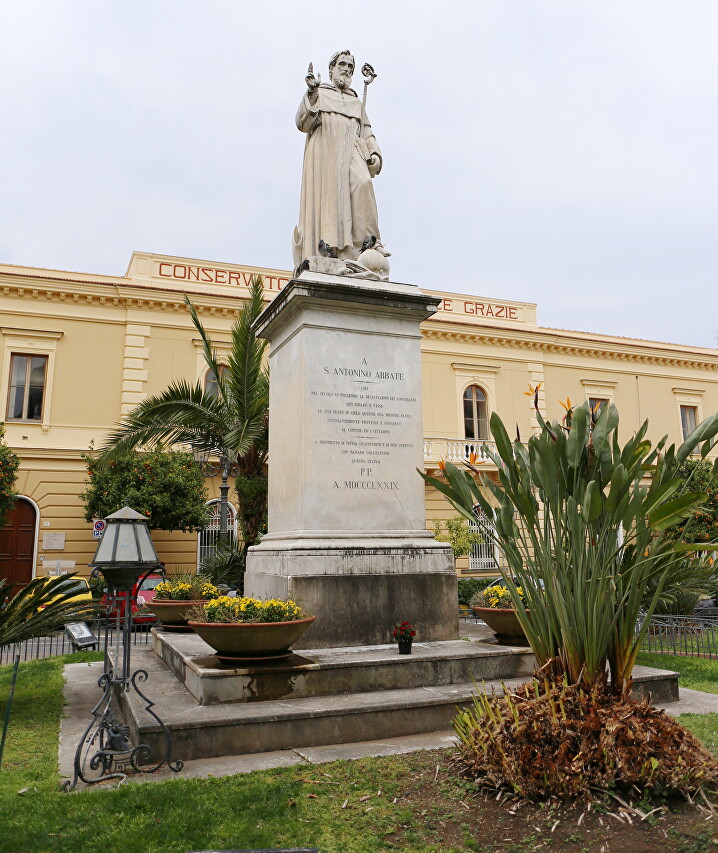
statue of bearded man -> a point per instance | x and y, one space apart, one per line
341 156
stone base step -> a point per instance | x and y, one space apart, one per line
252 727
326 672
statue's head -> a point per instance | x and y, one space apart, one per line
341 69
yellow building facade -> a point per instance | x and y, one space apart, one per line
79 351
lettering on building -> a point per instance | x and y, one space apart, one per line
479 309
216 275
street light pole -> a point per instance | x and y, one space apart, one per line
124 555
210 469
223 497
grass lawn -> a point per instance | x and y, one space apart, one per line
411 803
697 674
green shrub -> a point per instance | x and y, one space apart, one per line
468 587
166 486
702 525
9 463
458 534
226 564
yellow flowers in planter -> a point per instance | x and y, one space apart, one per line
227 609
185 588
496 596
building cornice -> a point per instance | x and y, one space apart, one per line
116 294
545 341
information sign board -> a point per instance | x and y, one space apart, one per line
80 635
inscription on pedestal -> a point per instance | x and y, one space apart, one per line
365 418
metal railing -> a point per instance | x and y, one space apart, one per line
59 643
209 536
688 636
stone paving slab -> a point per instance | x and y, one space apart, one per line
176 705
81 693
691 702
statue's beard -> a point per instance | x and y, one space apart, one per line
342 80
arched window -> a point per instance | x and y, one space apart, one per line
475 413
210 381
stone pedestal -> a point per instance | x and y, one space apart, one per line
347 527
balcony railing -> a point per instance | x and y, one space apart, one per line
455 450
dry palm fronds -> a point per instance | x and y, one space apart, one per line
553 739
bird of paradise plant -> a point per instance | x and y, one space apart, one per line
581 521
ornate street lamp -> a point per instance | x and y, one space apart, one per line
211 469
124 555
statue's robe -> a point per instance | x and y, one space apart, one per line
337 200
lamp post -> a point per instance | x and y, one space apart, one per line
124 555
211 469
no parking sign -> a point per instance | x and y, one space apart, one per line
98 528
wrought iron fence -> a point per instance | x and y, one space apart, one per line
691 636
209 536
59 643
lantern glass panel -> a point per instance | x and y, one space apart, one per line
104 549
147 549
127 550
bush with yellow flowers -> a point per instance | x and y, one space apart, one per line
230 610
186 588
497 596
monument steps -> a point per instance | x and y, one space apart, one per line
237 728
327 672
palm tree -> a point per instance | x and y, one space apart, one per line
40 607
231 420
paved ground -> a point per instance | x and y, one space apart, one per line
81 692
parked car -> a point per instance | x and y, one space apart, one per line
141 594
81 598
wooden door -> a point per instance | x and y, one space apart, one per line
17 543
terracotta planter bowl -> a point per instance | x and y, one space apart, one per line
504 624
172 614
251 640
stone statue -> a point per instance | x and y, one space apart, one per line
338 230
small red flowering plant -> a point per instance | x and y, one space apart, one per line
403 631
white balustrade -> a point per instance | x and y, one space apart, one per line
456 450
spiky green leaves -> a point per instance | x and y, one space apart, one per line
40 607
580 520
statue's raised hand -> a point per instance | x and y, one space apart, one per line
312 81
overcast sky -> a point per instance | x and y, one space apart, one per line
556 151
